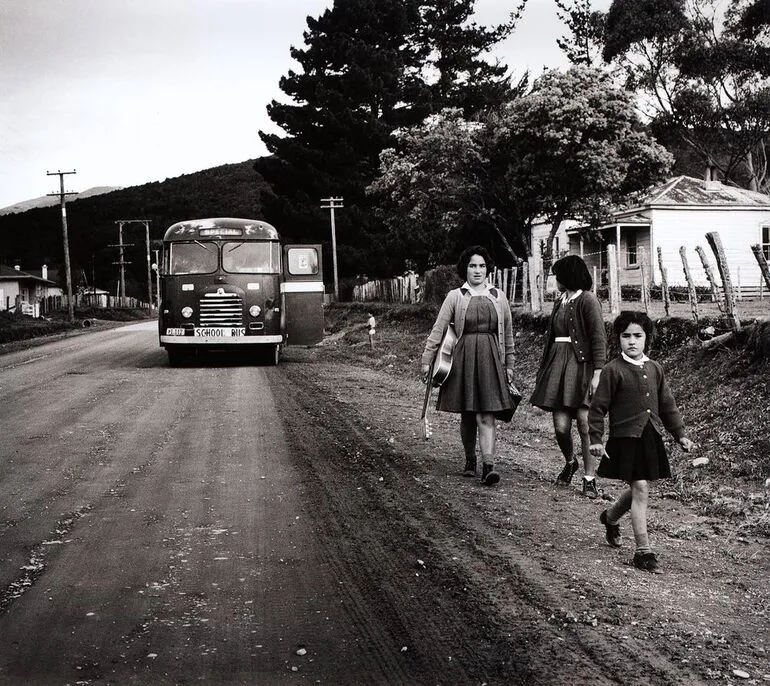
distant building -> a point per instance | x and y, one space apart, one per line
22 291
678 213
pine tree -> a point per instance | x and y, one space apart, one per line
347 99
454 48
583 44
367 68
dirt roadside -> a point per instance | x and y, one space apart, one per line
532 558
524 565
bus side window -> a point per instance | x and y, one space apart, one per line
303 261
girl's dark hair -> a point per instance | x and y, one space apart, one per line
627 317
572 273
465 258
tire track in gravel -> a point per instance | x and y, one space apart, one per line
496 610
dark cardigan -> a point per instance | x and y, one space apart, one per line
587 331
633 396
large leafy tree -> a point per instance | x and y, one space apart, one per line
368 67
577 148
570 148
428 193
704 74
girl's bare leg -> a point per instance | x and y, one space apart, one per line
620 507
485 422
640 494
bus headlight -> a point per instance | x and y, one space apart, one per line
254 310
187 312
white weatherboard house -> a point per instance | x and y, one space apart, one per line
23 291
677 213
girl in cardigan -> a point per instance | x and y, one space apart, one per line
477 384
633 390
574 354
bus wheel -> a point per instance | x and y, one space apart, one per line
275 354
176 357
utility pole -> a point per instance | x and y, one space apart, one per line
68 275
149 264
157 279
331 205
121 262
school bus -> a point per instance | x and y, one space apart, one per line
230 284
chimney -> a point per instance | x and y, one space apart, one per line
44 272
712 182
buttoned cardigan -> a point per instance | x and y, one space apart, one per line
587 332
633 395
453 311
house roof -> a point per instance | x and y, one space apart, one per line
636 219
11 274
688 191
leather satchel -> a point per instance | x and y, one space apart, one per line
515 394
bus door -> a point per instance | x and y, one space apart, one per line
303 294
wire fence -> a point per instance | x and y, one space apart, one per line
692 277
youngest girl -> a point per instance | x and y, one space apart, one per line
633 389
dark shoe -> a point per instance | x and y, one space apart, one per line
589 488
566 474
647 562
612 530
470 467
489 477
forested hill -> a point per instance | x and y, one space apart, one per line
33 237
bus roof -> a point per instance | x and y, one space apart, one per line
221 227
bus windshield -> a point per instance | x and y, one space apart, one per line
251 258
199 257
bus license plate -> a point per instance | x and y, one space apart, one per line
174 332
221 332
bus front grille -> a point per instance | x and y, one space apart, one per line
221 309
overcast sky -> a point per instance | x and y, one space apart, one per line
131 91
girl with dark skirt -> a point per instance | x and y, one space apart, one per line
633 390
574 354
482 365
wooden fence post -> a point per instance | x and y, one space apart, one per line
692 292
645 286
727 284
762 262
536 283
524 282
612 279
514 276
715 296
664 294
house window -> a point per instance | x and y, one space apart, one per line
766 241
631 249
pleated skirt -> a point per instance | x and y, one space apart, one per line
477 381
636 459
